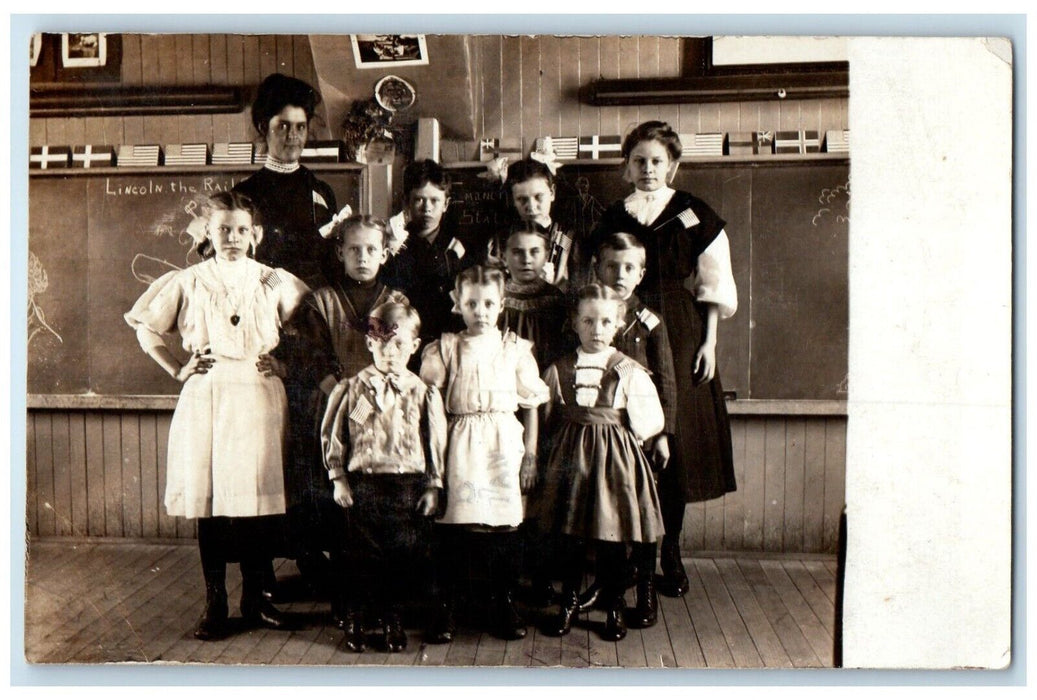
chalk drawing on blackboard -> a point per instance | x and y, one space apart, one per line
835 202
148 268
38 284
587 210
844 386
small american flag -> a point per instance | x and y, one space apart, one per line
186 154
837 141
688 218
647 319
238 153
139 156
271 280
361 410
318 199
564 147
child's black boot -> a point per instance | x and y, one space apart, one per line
509 623
443 627
255 608
568 609
353 627
213 623
615 627
646 608
395 637
674 581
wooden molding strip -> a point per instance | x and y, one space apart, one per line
156 402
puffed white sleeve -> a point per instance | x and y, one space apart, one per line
714 282
292 291
532 391
334 446
642 404
156 311
433 369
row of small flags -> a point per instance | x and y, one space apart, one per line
565 148
694 144
175 154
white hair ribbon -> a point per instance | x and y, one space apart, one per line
328 229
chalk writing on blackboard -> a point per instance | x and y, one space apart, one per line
37 285
835 202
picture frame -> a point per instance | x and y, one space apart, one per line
389 50
35 48
86 50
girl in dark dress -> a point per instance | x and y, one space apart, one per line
597 483
688 279
294 204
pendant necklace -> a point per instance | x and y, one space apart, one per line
235 317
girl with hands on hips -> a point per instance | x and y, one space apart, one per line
225 463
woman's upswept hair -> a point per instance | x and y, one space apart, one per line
278 91
653 131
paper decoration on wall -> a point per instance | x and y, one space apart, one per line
237 153
596 147
321 152
139 156
702 144
46 157
564 147
837 141
797 142
93 156
187 154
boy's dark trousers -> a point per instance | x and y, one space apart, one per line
387 554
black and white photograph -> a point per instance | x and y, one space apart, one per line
542 355
83 50
376 50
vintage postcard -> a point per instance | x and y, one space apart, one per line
483 350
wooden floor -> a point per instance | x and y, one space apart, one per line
102 602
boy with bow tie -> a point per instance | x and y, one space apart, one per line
383 439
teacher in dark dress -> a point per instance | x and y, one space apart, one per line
294 204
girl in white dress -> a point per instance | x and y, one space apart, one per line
226 439
486 376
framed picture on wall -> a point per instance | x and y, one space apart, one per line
381 50
35 46
84 50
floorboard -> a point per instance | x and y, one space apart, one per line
110 602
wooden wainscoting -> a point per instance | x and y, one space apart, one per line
102 474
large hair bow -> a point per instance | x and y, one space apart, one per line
328 229
545 153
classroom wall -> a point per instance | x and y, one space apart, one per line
523 87
526 87
102 474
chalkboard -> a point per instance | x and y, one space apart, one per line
788 224
95 243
